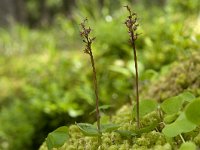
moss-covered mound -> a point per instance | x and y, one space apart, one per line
183 75
149 139
115 141
180 76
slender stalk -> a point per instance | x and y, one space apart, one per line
88 50
183 140
96 90
131 24
137 86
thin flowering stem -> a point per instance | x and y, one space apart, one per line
132 25
85 34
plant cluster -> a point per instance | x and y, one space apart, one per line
48 84
162 125
169 125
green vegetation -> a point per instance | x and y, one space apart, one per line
46 81
155 132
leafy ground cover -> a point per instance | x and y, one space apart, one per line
45 81
172 123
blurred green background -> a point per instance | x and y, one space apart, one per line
46 79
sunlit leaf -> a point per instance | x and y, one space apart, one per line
193 112
172 105
188 146
109 127
121 70
170 118
88 129
57 138
187 96
145 107
181 125
74 113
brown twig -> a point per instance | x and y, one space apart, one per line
132 25
85 34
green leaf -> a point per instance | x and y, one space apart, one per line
109 127
103 107
172 105
188 146
187 96
145 107
121 70
88 129
170 118
126 133
171 130
181 125
57 138
147 129
74 113
192 112
129 134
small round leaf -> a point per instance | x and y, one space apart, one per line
187 96
88 129
145 107
170 118
57 138
172 105
188 146
181 125
193 112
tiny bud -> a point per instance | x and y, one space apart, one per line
86 51
129 23
82 25
135 36
93 38
82 34
134 14
135 20
87 31
137 24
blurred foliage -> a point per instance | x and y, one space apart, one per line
186 7
45 82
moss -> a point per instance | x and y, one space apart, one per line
152 140
113 140
182 75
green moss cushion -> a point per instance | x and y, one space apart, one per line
181 75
